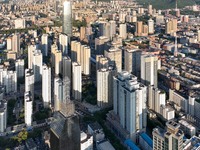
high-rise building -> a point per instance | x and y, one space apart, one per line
19 67
31 50
112 28
100 44
58 62
76 81
3 115
63 41
114 56
16 43
9 80
156 98
44 40
104 29
85 60
139 30
29 82
150 9
46 85
82 33
65 132
132 60
149 67
123 31
67 18
28 108
151 26
129 100
101 62
76 51
67 67
37 65
54 48
105 86
9 43
171 26
171 139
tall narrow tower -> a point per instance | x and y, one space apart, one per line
67 18
175 43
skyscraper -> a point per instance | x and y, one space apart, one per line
46 85
85 60
31 50
58 62
28 108
139 28
150 9
67 18
149 67
112 28
76 81
171 139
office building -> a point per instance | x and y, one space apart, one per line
171 138
149 67
123 31
188 128
63 42
76 81
65 132
28 108
58 62
86 141
44 40
58 93
29 82
67 19
132 60
19 68
151 26
104 29
114 56
16 43
105 86
54 49
46 85
37 65
3 115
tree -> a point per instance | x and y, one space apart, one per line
22 136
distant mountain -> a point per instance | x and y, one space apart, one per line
167 4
